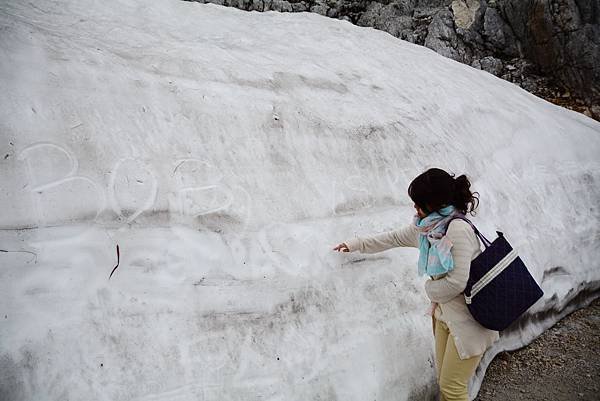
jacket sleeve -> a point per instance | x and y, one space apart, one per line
464 243
406 236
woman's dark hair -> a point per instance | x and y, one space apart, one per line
435 188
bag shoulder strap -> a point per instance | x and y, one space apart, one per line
485 241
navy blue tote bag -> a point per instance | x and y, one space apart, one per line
500 288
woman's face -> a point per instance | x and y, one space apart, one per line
420 212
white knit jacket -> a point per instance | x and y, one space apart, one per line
470 337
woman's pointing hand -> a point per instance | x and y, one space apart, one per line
342 248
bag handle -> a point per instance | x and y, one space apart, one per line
485 241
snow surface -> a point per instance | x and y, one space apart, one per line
226 153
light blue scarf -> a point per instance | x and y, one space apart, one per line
435 257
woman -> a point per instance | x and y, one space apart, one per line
446 249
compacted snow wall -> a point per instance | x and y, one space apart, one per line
225 153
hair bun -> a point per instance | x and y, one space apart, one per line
435 187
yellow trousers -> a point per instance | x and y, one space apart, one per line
453 373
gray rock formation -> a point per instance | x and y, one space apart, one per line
562 38
548 47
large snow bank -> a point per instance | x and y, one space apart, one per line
226 153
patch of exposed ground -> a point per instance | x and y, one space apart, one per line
563 364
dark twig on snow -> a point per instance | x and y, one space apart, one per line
115 268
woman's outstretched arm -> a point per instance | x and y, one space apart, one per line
406 236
